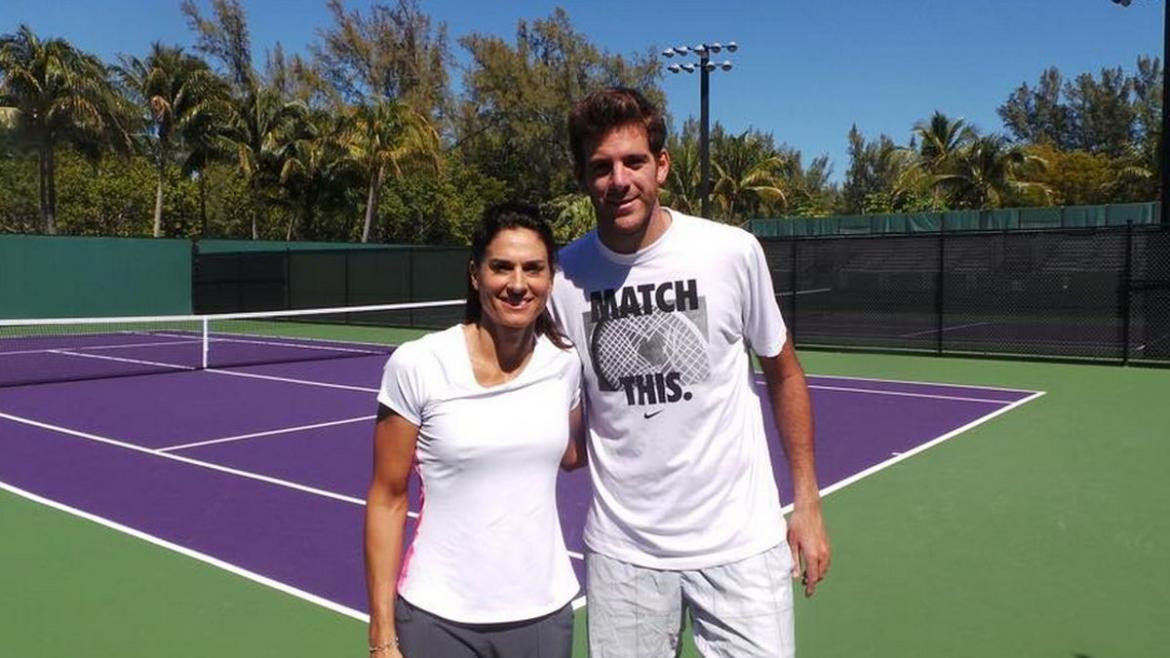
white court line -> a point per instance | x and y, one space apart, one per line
191 553
186 460
289 380
848 389
908 394
936 331
301 346
921 383
306 342
253 435
577 603
141 362
841 484
45 350
789 293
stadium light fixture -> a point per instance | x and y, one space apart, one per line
705 66
1163 146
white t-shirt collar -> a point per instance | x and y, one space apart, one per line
641 254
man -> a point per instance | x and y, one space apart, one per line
663 309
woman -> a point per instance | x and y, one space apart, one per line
488 408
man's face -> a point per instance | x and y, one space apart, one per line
622 177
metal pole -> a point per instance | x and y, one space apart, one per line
1164 156
704 136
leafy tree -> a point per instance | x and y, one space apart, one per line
1102 112
681 190
869 163
1075 178
52 94
383 138
313 168
512 125
178 95
1037 116
261 118
1095 114
808 190
990 173
571 216
439 208
226 38
747 176
391 53
940 140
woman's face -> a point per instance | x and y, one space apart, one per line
513 279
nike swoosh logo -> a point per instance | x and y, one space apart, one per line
646 415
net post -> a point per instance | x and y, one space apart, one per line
205 343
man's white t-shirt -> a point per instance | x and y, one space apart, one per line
677 452
488 546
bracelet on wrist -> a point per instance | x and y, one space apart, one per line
385 646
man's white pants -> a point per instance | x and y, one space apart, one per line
737 610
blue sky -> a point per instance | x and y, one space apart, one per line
806 71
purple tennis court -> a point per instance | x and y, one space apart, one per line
262 469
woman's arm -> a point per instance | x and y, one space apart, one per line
575 456
386 506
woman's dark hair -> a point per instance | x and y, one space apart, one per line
500 218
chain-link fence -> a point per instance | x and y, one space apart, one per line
279 280
1098 294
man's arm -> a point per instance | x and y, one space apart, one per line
575 453
792 411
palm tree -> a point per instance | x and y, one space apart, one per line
384 137
941 139
261 118
181 97
53 94
681 191
989 172
747 176
312 163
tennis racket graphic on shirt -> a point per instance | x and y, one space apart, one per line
648 344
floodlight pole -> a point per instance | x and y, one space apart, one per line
705 133
1163 146
703 51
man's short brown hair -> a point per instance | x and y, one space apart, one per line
606 109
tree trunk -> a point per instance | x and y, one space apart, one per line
52 180
158 203
372 202
255 203
48 189
43 187
202 204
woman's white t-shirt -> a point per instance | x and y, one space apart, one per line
488 546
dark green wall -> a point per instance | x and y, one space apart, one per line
45 277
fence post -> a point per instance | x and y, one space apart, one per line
288 277
792 286
938 300
1126 292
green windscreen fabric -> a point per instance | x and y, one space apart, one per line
50 277
237 246
998 219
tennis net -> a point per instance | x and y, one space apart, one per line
71 349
